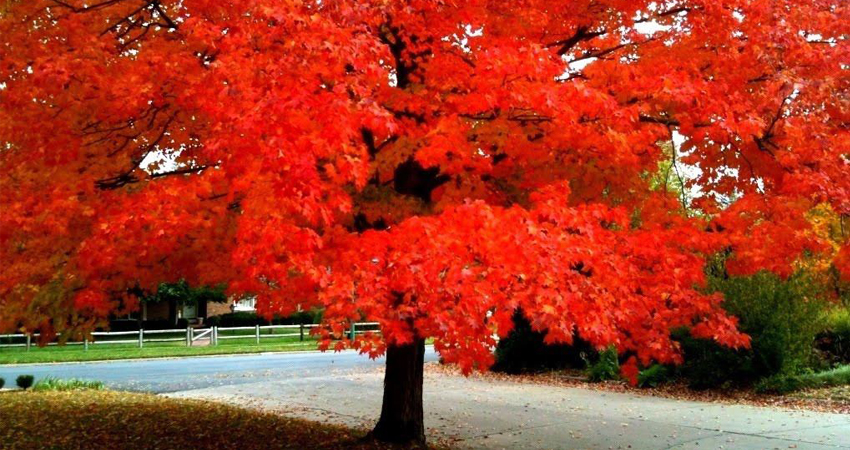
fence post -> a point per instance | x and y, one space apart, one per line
301 330
257 333
215 335
141 337
188 338
29 341
86 344
353 326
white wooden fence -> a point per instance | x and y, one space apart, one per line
188 335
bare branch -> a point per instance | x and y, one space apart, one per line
582 34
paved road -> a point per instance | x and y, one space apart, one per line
346 388
179 374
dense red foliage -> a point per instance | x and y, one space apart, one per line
431 165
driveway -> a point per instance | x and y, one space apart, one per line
345 388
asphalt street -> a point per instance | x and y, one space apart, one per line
473 413
178 374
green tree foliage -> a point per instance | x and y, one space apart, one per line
181 292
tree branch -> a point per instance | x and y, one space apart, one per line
582 34
129 178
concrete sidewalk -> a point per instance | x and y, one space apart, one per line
480 414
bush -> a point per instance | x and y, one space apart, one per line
165 324
305 317
654 375
779 384
24 381
133 325
784 383
838 321
73 384
606 366
181 292
237 319
523 350
708 364
834 341
2 382
782 317
250 319
123 325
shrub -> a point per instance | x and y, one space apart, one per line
236 319
606 366
834 341
654 375
708 364
2 382
56 384
782 317
250 319
317 315
133 325
123 325
523 350
181 292
24 381
838 321
305 317
779 384
784 383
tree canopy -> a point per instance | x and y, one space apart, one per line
430 165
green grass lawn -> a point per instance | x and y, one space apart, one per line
781 384
61 384
87 419
19 355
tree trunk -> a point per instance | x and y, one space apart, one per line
402 419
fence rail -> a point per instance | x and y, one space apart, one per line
188 335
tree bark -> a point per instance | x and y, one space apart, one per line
402 419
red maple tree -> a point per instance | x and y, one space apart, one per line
430 165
